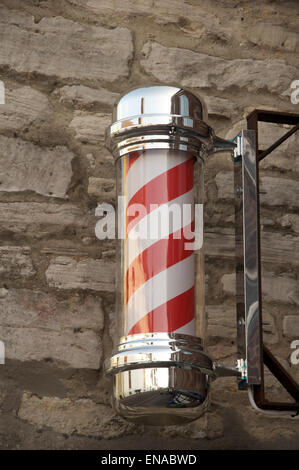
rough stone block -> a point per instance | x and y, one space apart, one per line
23 107
276 247
65 416
290 221
102 188
275 37
221 107
35 325
28 167
16 263
67 273
275 288
56 46
39 309
193 19
37 220
193 69
279 192
80 95
274 191
79 349
291 326
90 127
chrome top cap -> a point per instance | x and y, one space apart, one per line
158 100
156 117
162 117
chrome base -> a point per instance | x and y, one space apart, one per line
160 378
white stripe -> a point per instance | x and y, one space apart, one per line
160 289
149 166
138 238
188 329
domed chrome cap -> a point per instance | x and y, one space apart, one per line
159 100
161 117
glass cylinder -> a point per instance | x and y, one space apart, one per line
156 260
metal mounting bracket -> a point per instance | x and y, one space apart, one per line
248 266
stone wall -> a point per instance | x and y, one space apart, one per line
63 63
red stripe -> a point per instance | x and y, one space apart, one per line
168 317
133 156
159 256
164 188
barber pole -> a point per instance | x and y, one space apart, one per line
159 139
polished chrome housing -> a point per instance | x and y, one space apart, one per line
162 117
160 378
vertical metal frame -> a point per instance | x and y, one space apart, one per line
249 305
252 285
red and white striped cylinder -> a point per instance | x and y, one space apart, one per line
160 372
159 270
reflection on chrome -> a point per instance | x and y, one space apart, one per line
160 378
